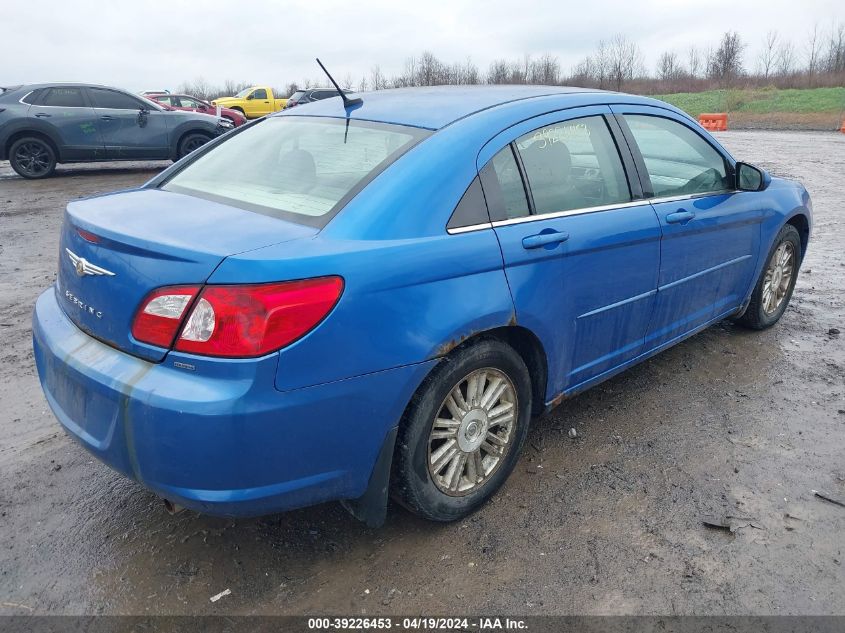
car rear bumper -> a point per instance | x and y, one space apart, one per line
225 441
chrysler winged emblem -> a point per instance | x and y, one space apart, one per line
84 267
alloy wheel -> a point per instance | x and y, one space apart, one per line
194 143
778 277
472 432
33 159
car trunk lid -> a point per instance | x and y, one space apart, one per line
116 249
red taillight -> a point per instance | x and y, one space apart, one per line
235 321
161 314
253 320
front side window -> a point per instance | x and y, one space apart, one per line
112 100
63 97
261 93
678 161
573 165
295 168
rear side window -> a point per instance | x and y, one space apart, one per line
503 187
63 97
112 100
296 168
573 165
678 161
471 210
34 97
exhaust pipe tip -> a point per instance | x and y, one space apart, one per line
171 507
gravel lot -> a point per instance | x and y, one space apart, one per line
729 423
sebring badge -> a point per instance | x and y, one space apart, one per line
84 267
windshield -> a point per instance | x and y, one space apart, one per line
296 168
244 92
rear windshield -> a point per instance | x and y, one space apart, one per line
302 169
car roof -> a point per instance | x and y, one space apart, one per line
431 107
74 84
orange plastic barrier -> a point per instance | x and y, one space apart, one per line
717 122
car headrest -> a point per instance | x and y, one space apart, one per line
298 168
547 162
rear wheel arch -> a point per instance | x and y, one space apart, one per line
15 136
531 350
411 483
371 508
525 343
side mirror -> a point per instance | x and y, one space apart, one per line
751 178
250 96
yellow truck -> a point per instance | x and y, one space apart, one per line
253 102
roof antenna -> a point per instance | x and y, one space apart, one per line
347 102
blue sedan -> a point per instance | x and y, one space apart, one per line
353 301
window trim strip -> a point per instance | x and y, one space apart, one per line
469 228
570 212
585 210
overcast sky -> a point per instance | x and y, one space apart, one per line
155 44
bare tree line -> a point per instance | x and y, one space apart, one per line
617 63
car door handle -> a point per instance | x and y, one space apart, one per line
680 217
43 115
106 117
544 239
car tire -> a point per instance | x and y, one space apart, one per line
32 157
424 475
777 281
190 142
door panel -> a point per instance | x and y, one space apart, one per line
589 298
259 105
127 130
711 232
581 256
707 261
68 113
